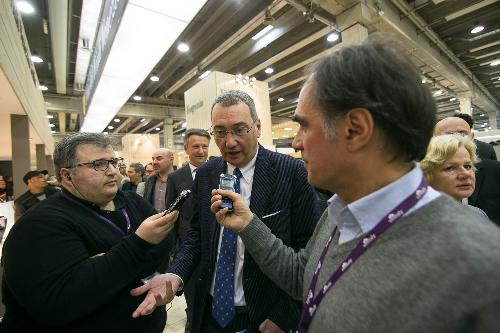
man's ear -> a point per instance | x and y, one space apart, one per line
358 128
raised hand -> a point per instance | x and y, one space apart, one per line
238 218
154 229
161 290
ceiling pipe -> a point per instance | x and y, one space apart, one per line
58 29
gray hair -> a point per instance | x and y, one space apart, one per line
234 97
195 131
138 167
65 151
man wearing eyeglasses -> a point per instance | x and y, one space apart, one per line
70 262
232 293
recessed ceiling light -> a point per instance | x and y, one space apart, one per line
204 75
281 99
52 125
495 62
116 120
50 116
183 134
262 32
333 37
253 79
25 7
143 120
105 133
36 58
288 129
110 127
183 47
52 132
43 87
453 99
438 93
157 128
269 70
477 29
184 125
424 80
137 98
154 78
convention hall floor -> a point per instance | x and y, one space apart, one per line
176 317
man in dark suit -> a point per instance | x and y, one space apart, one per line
37 191
484 151
232 293
196 143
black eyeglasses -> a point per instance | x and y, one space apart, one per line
239 131
100 165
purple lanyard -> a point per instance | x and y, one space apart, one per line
311 304
123 211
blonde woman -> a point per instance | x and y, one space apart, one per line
448 166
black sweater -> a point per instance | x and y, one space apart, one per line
52 282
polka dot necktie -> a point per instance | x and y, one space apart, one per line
223 300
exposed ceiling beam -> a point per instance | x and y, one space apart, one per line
469 9
153 128
138 127
58 22
219 51
123 124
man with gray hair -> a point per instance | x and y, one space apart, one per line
232 293
135 183
70 262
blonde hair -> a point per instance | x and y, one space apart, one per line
443 147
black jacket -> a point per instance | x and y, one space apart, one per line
28 200
487 192
485 151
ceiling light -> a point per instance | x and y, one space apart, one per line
36 58
253 79
453 99
137 98
154 78
25 7
285 136
288 129
477 28
204 75
43 87
183 134
52 125
183 47
262 32
184 125
269 70
333 37
52 132
424 80
50 116
105 133
143 120
110 127
438 93
113 85
495 62
157 128
116 120
281 99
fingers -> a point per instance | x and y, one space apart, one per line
146 307
262 326
140 290
226 193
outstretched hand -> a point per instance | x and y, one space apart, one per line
235 220
161 290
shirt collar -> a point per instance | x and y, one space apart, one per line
192 167
247 170
370 209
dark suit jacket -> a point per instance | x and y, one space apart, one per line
485 151
487 192
279 184
179 181
28 200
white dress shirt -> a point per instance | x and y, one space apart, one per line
245 190
362 215
193 170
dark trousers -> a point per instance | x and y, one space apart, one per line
240 322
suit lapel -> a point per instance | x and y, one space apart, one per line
264 178
213 182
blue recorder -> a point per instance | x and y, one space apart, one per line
226 182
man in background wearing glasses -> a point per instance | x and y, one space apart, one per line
70 262
232 293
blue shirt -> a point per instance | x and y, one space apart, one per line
359 217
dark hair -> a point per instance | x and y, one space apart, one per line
195 131
377 76
138 167
465 117
65 151
233 97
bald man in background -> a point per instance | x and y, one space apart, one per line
155 190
